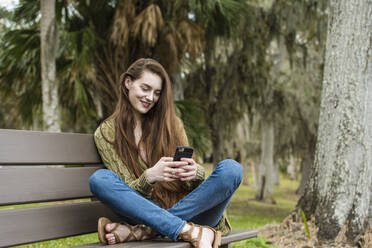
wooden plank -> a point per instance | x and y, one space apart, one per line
238 235
26 184
32 147
22 226
140 244
234 236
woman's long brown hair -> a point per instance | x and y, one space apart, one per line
161 131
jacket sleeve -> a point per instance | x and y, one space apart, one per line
113 162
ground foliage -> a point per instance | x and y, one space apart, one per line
291 233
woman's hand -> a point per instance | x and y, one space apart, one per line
165 170
189 171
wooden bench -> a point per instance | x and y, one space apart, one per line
38 167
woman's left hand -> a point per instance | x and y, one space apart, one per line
189 171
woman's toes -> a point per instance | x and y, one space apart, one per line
109 227
110 238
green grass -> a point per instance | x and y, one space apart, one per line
243 211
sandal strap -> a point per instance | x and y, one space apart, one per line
116 235
187 236
117 239
115 226
144 231
131 233
200 234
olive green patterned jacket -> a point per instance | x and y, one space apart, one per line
113 162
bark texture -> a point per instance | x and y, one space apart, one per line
306 165
338 192
49 44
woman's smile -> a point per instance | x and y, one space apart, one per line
145 104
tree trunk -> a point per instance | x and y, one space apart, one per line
177 87
255 174
217 144
306 164
245 173
276 174
266 179
48 37
342 170
245 163
370 205
291 169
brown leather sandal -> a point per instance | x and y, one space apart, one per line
102 222
195 241
138 232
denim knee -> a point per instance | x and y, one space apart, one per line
98 180
232 172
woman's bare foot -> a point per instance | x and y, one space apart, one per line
206 239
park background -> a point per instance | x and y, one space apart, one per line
247 80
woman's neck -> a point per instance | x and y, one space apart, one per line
138 128
138 118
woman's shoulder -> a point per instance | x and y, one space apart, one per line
106 129
179 122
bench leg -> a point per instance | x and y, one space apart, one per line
225 246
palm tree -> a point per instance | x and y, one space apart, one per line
98 40
49 46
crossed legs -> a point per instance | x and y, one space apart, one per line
204 205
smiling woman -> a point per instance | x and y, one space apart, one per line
142 183
144 92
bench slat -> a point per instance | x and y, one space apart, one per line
237 235
26 184
140 244
234 236
32 147
22 226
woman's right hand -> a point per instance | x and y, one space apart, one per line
165 170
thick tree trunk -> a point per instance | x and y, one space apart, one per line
306 165
48 36
266 179
337 192
370 205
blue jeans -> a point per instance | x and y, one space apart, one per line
204 205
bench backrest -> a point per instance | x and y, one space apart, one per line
48 167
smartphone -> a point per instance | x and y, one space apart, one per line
183 152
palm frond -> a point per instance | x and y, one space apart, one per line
124 15
148 24
191 37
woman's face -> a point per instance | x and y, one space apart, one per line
144 92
